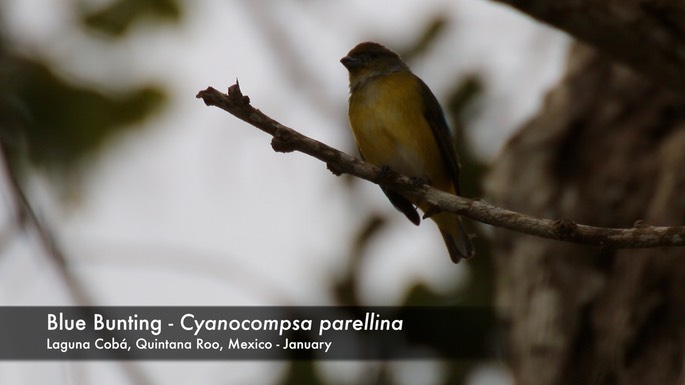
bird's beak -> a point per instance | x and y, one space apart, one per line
351 63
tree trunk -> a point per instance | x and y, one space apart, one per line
647 35
608 149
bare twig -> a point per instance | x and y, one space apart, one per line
26 217
286 139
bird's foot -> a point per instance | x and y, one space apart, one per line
418 181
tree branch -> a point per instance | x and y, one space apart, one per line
286 139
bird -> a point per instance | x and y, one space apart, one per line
398 124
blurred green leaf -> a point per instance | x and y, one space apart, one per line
60 122
302 373
422 295
469 89
460 108
431 32
345 289
116 19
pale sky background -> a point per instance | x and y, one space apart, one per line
196 209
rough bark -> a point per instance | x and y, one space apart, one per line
608 149
647 35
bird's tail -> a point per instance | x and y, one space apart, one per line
455 236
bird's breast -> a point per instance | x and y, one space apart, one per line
390 128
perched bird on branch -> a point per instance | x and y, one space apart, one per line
398 124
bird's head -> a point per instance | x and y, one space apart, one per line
370 60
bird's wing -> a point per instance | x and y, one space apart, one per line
441 131
400 203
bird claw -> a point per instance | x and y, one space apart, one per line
418 182
432 210
384 172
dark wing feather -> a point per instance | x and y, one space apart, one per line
441 132
401 203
